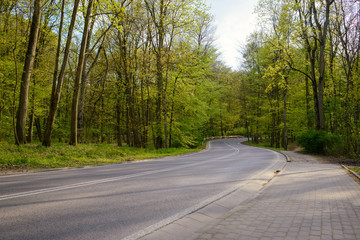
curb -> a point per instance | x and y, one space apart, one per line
285 155
351 171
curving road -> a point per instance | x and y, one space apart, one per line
113 202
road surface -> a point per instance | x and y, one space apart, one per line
116 201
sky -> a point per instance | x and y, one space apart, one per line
234 20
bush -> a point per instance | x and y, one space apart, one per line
320 142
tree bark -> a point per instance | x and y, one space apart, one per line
59 80
323 30
316 54
38 128
158 49
80 68
1 111
81 118
118 122
26 75
285 131
31 125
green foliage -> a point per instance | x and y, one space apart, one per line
313 141
241 131
283 82
140 92
320 142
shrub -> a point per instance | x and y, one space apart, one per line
320 142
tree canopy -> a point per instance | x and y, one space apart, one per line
146 73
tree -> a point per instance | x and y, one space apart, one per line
148 77
346 30
58 79
79 70
314 22
26 75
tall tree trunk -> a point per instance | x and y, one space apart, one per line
158 110
332 57
26 75
75 101
31 125
285 131
59 80
221 123
323 30
273 132
118 123
32 114
309 122
81 118
316 52
38 128
312 54
1 111
13 107
158 21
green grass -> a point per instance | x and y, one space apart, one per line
59 155
263 145
356 169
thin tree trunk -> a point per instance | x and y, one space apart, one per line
118 123
158 112
75 101
310 22
285 138
312 53
26 75
1 111
308 97
38 128
31 125
13 108
81 123
323 30
158 49
59 80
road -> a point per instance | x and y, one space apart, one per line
115 201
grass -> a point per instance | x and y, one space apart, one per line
356 169
263 145
60 155
266 144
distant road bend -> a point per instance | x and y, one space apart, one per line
116 201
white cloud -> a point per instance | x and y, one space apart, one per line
234 20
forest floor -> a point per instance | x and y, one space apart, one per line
30 157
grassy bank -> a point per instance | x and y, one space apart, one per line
32 157
356 169
262 144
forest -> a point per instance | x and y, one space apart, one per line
147 74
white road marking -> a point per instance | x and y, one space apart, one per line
106 180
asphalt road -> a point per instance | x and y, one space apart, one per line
113 202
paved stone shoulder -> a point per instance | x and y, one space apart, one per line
305 201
